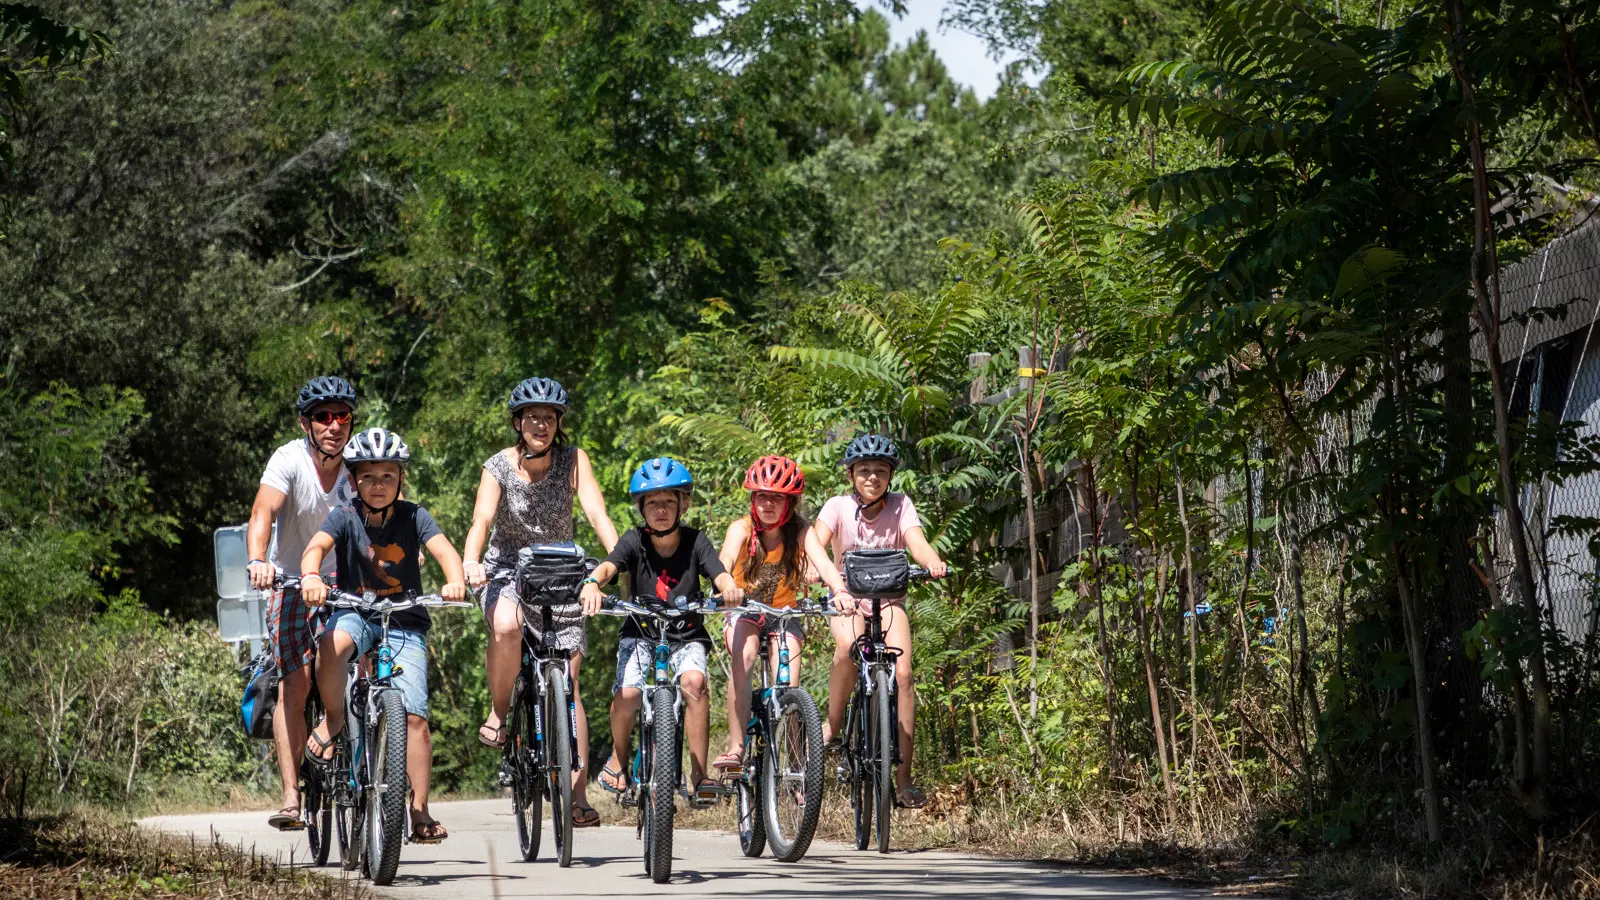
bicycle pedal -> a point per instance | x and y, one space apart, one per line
732 773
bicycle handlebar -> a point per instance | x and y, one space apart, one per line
370 603
807 607
616 606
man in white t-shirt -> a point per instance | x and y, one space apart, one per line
304 480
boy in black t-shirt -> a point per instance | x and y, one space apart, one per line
666 560
375 542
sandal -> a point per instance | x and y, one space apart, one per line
617 787
584 816
286 819
492 737
429 832
733 759
911 798
314 755
699 802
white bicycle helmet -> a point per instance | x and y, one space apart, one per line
376 445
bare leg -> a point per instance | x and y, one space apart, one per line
897 629
289 731
580 781
743 651
842 676
504 657
419 765
333 653
697 723
624 707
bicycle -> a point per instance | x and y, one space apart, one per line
316 789
871 730
542 721
367 774
782 751
653 777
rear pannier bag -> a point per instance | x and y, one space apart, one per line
551 574
260 698
876 573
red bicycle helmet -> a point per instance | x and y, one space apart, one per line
778 474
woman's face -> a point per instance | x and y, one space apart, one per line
538 425
661 509
377 484
769 507
871 478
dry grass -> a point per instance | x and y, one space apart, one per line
93 855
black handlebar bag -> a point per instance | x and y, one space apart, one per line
551 574
876 573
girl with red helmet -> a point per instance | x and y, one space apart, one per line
769 553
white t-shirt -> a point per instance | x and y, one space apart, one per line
886 531
305 506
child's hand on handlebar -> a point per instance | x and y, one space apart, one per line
592 598
455 590
476 576
732 596
843 602
939 569
313 590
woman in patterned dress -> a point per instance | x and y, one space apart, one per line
525 496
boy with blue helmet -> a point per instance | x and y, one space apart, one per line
666 560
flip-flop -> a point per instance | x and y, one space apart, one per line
619 787
729 760
315 757
585 816
286 819
911 798
429 832
499 739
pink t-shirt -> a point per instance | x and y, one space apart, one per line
886 531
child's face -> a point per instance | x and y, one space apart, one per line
661 510
538 425
769 507
377 484
871 478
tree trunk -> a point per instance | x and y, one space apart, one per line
1195 711
1025 454
1419 685
1097 535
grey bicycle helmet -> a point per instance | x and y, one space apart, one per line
376 445
538 392
325 389
871 446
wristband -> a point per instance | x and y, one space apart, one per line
590 580
316 575
254 561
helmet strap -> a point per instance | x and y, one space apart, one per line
757 526
323 456
382 511
862 507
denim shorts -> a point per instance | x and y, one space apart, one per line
410 655
636 662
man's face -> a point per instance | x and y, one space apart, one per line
377 484
329 427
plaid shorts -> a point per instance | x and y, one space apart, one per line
292 630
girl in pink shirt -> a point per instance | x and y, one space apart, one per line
874 518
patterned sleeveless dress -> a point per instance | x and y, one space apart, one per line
539 513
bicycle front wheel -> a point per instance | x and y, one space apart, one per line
882 758
386 794
558 760
791 780
660 806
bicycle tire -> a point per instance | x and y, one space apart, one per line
317 806
386 795
859 748
797 732
882 756
747 804
663 785
521 754
558 760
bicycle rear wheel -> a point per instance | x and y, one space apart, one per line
316 805
882 755
558 760
386 793
522 751
660 803
791 784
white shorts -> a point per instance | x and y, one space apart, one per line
636 662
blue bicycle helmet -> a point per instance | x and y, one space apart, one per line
325 389
538 392
660 474
871 446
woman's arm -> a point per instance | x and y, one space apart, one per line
483 513
924 554
735 543
455 587
594 503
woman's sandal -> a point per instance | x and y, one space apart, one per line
286 819
492 737
429 832
733 759
584 816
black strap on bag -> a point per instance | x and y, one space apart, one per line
551 574
876 573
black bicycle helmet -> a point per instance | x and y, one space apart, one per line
376 445
538 392
325 389
871 446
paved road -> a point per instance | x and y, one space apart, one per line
481 860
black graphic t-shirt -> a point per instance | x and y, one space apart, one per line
668 578
382 558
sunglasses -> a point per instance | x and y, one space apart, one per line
328 417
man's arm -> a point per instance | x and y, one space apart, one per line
269 502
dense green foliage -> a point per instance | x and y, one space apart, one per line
1219 550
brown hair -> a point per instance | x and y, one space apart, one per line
792 567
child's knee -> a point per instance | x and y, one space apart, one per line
693 685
